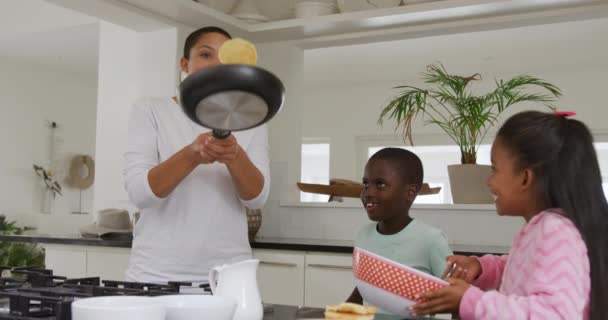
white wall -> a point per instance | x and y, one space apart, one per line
30 94
34 16
347 115
119 86
131 65
285 61
158 56
91 105
347 86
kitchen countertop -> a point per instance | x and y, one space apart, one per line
74 239
296 244
346 246
282 312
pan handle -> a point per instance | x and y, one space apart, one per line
220 134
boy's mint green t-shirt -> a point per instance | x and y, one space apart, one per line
418 245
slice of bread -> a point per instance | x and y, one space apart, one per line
348 307
332 315
238 51
349 311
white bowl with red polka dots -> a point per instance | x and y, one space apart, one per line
389 285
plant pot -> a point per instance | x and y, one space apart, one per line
468 183
254 222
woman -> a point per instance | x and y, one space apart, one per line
192 189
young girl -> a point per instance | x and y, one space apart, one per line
545 169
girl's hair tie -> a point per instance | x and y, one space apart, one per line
564 114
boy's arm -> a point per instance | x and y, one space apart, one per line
355 297
438 252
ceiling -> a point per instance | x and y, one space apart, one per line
570 44
422 18
38 32
273 9
41 32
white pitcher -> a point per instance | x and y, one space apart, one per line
239 281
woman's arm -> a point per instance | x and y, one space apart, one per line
249 169
141 155
246 176
247 179
166 176
146 179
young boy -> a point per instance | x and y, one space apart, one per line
391 182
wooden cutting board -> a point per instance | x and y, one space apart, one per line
350 189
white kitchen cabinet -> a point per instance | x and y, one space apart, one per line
107 263
87 261
284 277
281 276
329 279
66 260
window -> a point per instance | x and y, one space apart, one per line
314 169
435 160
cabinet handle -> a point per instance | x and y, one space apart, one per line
278 264
330 266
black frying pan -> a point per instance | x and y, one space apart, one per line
231 97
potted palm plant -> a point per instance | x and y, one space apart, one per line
18 254
464 117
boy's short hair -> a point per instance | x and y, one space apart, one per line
406 162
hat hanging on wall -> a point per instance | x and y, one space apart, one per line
82 172
81 176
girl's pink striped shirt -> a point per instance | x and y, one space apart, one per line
545 276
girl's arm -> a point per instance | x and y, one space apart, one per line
553 281
492 268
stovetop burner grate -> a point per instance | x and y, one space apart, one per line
35 294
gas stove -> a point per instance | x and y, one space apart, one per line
34 294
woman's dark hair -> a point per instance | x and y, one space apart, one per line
192 39
560 152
